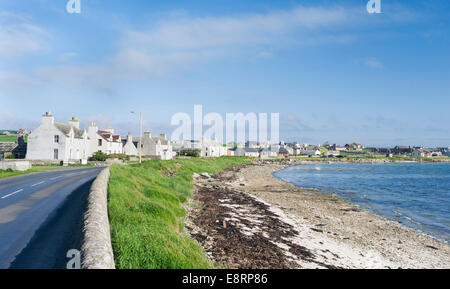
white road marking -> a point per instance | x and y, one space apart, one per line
38 183
52 179
18 191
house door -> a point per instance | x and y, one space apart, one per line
55 154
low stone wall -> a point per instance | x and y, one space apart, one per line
15 165
96 249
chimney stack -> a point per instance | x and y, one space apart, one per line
48 118
74 123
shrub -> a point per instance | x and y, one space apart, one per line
189 153
98 157
123 157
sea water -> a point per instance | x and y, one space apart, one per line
415 194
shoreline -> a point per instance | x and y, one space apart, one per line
292 227
370 211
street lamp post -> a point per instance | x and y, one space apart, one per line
140 135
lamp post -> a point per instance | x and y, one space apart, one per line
140 135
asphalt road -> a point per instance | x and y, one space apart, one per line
41 217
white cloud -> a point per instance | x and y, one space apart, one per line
373 63
18 36
67 56
183 42
207 32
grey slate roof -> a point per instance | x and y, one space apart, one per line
250 150
65 129
7 146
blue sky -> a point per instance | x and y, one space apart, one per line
332 71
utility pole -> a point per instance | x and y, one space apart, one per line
140 138
140 135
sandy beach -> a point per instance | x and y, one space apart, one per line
246 218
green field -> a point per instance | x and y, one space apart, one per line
146 215
9 138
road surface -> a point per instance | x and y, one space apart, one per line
41 217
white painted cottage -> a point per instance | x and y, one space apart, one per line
208 148
130 148
57 141
67 142
104 140
212 148
157 146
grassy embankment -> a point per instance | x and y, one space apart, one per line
146 215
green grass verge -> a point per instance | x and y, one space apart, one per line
37 169
146 215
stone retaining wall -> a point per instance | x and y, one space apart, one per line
96 249
15 165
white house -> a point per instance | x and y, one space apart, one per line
246 152
104 140
158 146
310 152
212 148
207 148
130 148
268 153
57 141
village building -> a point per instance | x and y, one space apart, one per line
283 153
356 146
310 152
67 142
103 140
268 153
157 146
212 148
421 152
16 150
130 147
207 148
398 150
57 141
246 152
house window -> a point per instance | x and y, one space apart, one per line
56 138
99 142
2 156
55 154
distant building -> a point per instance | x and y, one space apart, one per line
398 150
208 148
283 153
104 140
157 146
385 151
268 153
246 152
356 146
310 152
130 147
421 152
251 144
18 149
